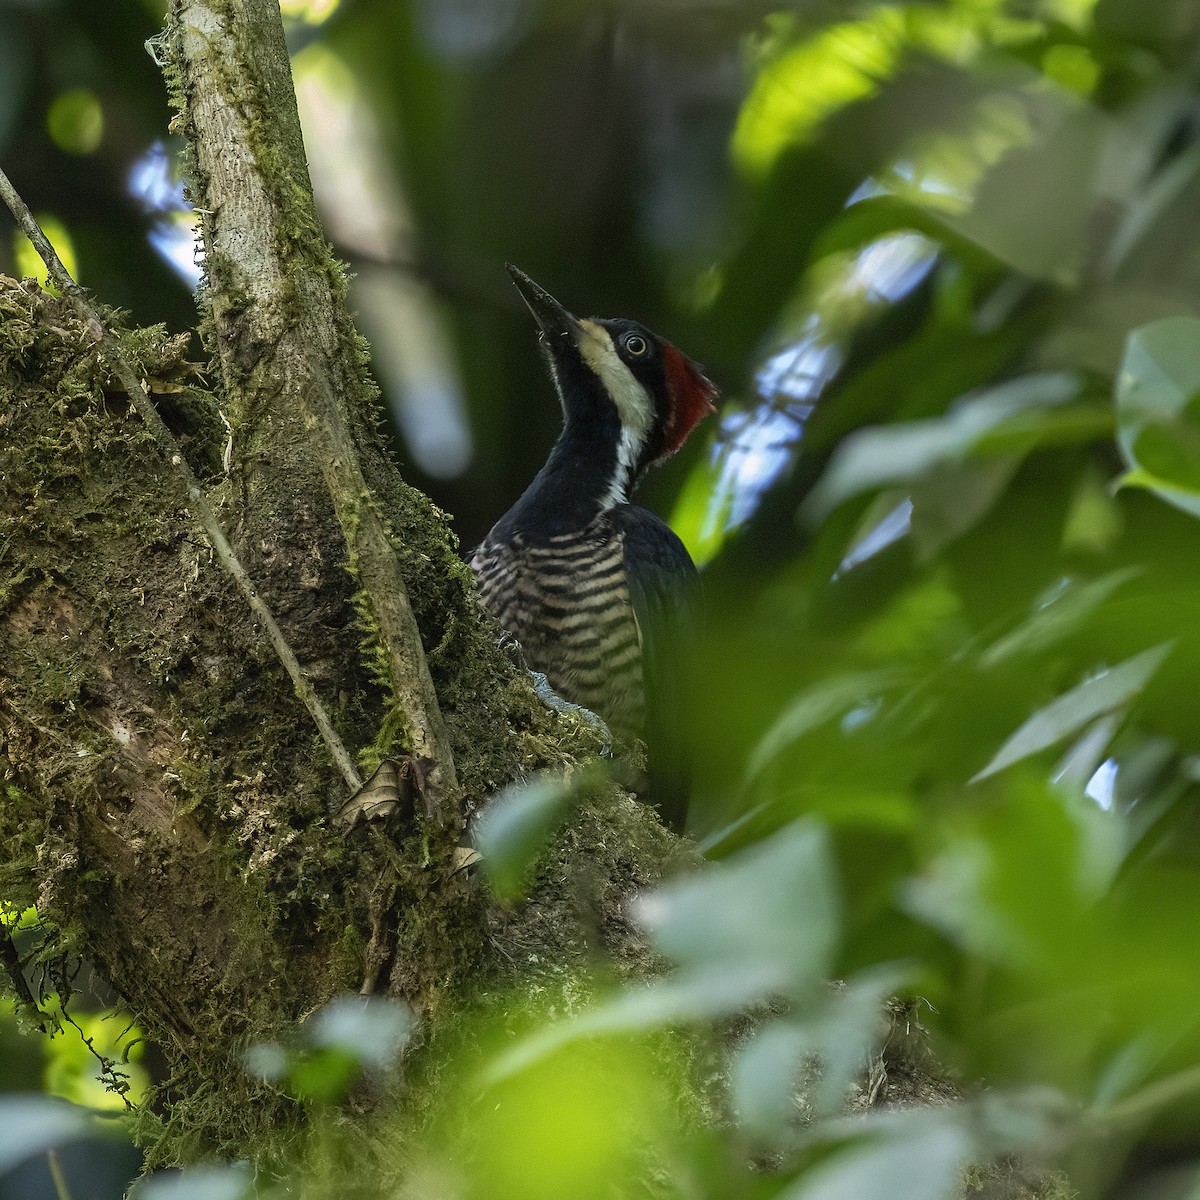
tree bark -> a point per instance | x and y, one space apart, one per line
167 802
291 370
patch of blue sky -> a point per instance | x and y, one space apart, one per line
757 447
888 269
1102 787
154 183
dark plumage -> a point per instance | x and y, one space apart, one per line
601 594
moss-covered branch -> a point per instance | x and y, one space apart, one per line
197 500
291 367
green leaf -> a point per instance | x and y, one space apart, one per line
953 497
32 1125
807 81
1104 691
1031 209
812 708
701 516
763 922
1058 614
1143 219
921 1158
872 218
370 1028
514 827
838 1038
1182 498
1158 411
341 1040
324 1076
849 1031
772 909
1171 452
953 895
766 1077
1087 752
197 1183
579 1124
1012 415
267 1060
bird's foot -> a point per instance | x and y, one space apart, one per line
553 700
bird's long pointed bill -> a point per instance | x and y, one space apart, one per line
553 320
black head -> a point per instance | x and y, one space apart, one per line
657 395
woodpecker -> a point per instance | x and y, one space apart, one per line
601 594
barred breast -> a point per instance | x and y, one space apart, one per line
566 600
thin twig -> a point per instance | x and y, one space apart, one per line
56 1173
12 966
198 501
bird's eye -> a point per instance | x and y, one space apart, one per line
635 345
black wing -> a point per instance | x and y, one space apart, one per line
665 591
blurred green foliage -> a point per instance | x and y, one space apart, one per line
945 261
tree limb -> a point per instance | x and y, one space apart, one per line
279 323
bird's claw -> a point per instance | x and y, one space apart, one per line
553 700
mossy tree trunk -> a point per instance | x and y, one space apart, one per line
167 800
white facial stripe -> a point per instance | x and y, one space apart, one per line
634 406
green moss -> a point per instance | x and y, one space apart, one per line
346 967
22 832
128 703
1009 1179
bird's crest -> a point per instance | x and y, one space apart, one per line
691 396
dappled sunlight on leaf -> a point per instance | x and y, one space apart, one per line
806 82
29 263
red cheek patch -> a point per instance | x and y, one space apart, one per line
690 398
